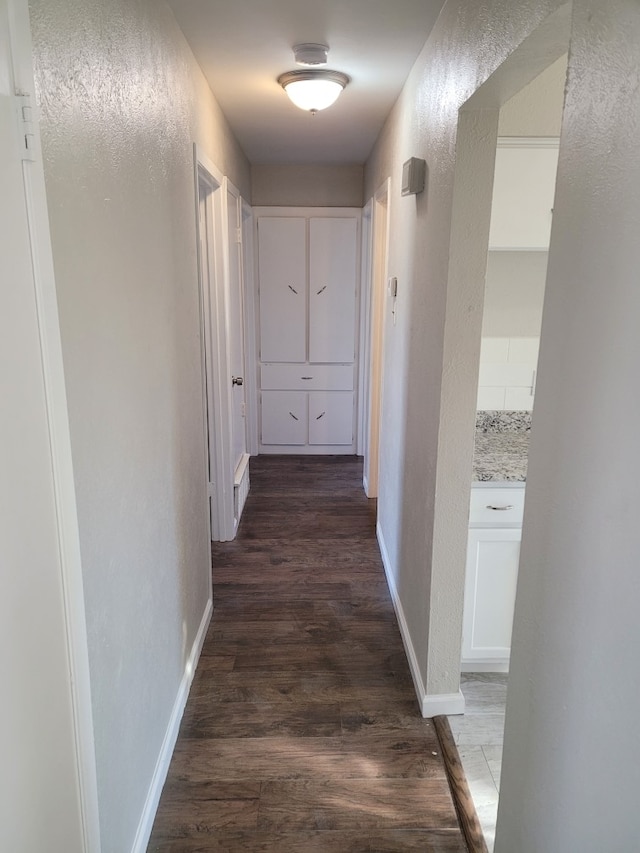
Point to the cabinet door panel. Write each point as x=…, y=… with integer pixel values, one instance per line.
x=332, y=289
x=284, y=417
x=282, y=270
x=523, y=191
x=490, y=592
x=331, y=417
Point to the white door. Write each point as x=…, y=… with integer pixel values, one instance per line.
x=332, y=289
x=282, y=265
x=236, y=328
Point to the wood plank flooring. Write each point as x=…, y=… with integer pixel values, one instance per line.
x=302, y=732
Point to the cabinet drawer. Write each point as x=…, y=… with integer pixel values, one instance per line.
x=497, y=507
x=307, y=377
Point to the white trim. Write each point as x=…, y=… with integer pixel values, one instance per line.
x=366, y=235
x=430, y=705
x=443, y=703
x=171, y=735
x=215, y=313
x=241, y=486
x=484, y=666
x=251, y=358
x=68, y=533
x=375, y=345
x=528, y=142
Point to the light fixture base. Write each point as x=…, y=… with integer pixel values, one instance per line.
x=311, y=54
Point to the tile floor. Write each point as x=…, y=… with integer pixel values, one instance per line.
x=479, y=734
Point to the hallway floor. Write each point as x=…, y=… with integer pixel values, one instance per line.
x=302, y=732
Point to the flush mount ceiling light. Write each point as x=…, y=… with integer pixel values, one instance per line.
x=312, y=90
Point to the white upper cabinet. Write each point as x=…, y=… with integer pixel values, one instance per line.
x=332, y=289
x=523, y=192
x=282, y=261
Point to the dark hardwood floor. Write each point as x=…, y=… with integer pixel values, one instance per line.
x=302, y=732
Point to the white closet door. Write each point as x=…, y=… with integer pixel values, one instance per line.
x=332, y=289
x=283, y=291
x=284, y=417
x=331, y=417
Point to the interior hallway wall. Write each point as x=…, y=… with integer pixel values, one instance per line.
x=470, y=40
x=307, y=186
x=571, y=768
x=122, y=102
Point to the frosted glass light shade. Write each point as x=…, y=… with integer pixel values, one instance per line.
x=313, y=90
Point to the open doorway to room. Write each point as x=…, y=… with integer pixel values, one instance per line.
x=374, y=337
x=524, y=180
x=215, y=369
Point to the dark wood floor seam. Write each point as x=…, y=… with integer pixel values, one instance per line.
x=460, y=792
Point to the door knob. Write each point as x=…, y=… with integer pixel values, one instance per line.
x=237, y=380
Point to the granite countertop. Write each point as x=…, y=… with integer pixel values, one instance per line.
x=501, y=446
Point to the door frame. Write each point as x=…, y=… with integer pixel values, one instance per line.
x=373, y=351
x=365, y=328
x=250, y=325
x=214, y=324
x=67, y=531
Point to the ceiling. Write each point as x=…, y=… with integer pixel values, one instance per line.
x=244, y=45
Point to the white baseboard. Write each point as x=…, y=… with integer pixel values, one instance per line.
x=430, y=705
x=171, y=735
x=241, y=486
x=443, y=703
x=484, y=666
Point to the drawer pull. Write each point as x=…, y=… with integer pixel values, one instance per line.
x=500, y=508
x=293, y=290
x=321, y=289
x=306, y=377
x=294, y=417
x=321, y=416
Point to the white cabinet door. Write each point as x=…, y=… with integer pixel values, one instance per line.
x=282, y=265
x=332, y=289
x=523, y=192
x=490, y=591
x=284, y=417
x=331, y=417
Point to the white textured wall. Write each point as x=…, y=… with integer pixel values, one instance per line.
x=536, y=110
x=429, y=419
x=307, y=186
x=571, y=771
x=122, y=103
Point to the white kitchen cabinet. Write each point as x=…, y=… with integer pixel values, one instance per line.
x=308, y=267
x=490, y=592
x=493, y=554
x=523, y=193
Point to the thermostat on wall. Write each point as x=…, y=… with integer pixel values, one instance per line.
x=413, y=175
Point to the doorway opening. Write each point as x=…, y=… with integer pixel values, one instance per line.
x=214, y=351
x=507, y=148
x=374, y=337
